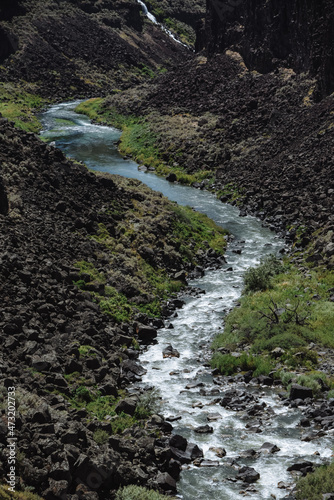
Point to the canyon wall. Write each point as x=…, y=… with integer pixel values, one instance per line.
x=270, y=33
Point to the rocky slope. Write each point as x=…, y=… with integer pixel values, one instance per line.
x=45, y=44
x=71, y=262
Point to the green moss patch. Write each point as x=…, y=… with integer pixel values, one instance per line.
x=19, y=105
x=17, y=495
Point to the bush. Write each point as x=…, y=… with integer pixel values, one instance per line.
x=228, y=364
x=148, y=403
x=100, y=436
x=316, y=484
x=259, y=278
x=138, y=493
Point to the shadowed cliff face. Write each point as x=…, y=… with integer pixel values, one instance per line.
x=272, y=33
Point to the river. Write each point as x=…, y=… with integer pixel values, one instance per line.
x=193, y=330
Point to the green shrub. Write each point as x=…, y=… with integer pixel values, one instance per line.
x=330, y=394
x=148, y=403
x=259, y=278
x=228, y=364
x=83, y=394
x=100, y=436
x=316, y=484
x=138, y=493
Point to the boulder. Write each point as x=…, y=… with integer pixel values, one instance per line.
x=146, y=333
x=166, y=482
x=171, y=177
x=204, y=429
x=269, y=448
x=248, y=474
x=299, y=392
x=170, y=352
x=127, y=405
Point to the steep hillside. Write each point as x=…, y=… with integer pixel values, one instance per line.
x=76, y=48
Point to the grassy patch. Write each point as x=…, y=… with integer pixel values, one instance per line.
x=17, y=495
x=294, y=312
x=198, y=230
x=133, y=492
x=228, y=364
x=142, y=139
x=316, y=484
x=19, y=106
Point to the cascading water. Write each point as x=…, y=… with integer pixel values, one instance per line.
x=189, y=391
x=152, y=18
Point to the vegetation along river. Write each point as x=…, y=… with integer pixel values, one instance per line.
x=189, y=391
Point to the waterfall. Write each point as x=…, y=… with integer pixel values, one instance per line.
x=152, y=18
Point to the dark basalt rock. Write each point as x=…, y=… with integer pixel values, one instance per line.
x=300, y=392
x=248, y=475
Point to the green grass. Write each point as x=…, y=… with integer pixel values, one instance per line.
x=140, y=141
x=17, y=495
x=228, y=364
x=316, y=484
x=19, y=106
x=292, y=313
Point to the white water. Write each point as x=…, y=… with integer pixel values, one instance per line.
x=152, y=18
x=194, y=327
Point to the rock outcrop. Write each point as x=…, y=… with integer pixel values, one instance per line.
x=269, y=34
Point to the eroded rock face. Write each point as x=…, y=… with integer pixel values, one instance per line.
x=267, y=33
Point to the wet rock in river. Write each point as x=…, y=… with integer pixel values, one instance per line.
x=204, y=429
x=269, y=448
x=248, y=474
x=212, y=417
x=207, y=463
x=170, y=352
x=220, y=452
x=303, y=467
